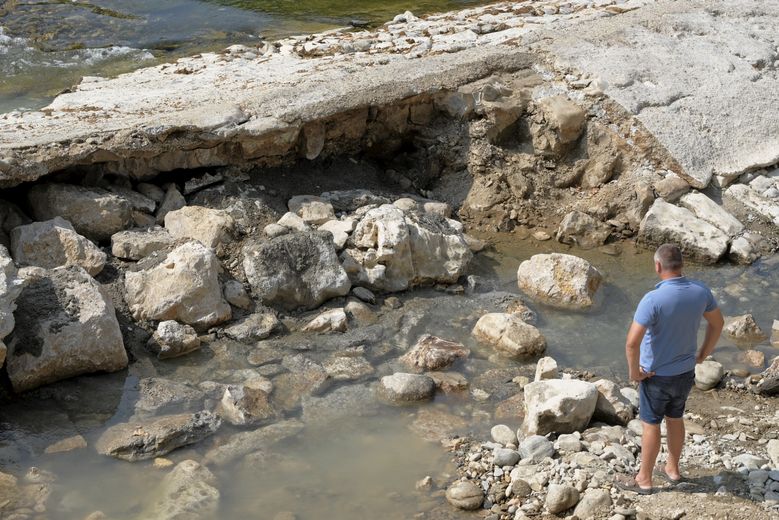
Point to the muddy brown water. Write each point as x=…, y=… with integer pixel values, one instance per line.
x=362, y=465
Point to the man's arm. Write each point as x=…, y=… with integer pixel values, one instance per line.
x=715, y=322
x=633, y=352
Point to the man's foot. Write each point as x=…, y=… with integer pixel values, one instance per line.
x=664, y=473
x=633, y=485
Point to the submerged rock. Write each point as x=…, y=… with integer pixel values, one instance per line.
x=559, y=406
x=172, y=339
x=134, y=441
x=405, y=388
x=508, y=334
x=558, y=280
x=188, y=492
x=65, y=326
x=295, y=270
x=333, y=320
x=394, y=250
x=248, y=403
x=183, y=287
x=465, y=494
x=744, y=329
x=433, y=353
x=241, y=444
x=55, y=243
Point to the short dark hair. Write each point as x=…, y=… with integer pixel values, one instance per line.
x=669, y=256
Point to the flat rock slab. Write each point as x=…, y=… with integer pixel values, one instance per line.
x=696, y=74
x=134, y=441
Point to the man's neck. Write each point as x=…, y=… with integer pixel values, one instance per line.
x=670, y=274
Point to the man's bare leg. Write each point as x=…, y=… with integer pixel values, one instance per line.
x=675, y=440
x=650, y=447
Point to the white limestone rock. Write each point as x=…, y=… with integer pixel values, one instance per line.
x=705, y=208
x=173, y=339
x=560, y=406
x=559, y=280
x=54, y=243
x=136, y=244
x=211, y=227
x=666, y=223
x=509, y=335
x=313, y=210
x=183, y=287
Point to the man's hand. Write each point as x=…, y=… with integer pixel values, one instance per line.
x=640, y=375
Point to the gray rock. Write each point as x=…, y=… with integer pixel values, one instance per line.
x=465, y=495
x=342, y=403
x=173, y=339
x=55, y=243
x=582, y=230
x=333, y=320
x=705, y=208
x=744, y=329
x=173, y=201
x=769, y=384
x=134, y=441
x=158, y=396
x=504, y=457
x=340, y=229
x=10, y=288
x=210, y=227
x=248, y=403
x=558, y=280
x=254, y=327
x=672, y=187
x=509, y=335
x=93, y=212
x=275, y=230
x=557, y=125
x=238, y=445
x=612, y=407
x=236, y=295
x=503, y=434
x=151, y=191
x=559, y=406
x=546, y=368
x=699, y=240
x=772, y=448
x=295, y=270
x=184, y=287
x=313, y=210
x=568, y=442
x=404, y=388
x=708, y=374
x=433, y=353
x=594, y=504
x=364, y=294
x=631, y=394
x=748, y=461
x=188, y=492
x=347, y=368
x=65, y=326
x=560, y=498
x=136, y=244
x=536, y=448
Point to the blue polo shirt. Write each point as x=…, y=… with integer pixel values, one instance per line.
x=672, y=314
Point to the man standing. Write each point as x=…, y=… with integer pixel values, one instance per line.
x=662, y=351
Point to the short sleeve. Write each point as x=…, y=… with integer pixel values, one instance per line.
x=711, y=302
x=646, y=313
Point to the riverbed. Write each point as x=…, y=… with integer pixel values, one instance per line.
x=362, y=462
x=46, y=47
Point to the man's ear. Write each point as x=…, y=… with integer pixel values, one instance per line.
x=658, y=268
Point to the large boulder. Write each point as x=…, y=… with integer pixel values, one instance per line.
x=582, y=230
x=65, y=326
x=183, y=287
x=394, y=250
x=55, y=243
x=295, y=270
x=188, y=492
x=10, y=288
x=558, y=280
x=136, y=440
x=708, y=210
x=433, y=353
x=509, y=335
x=94, y=212
x=666, y=223
x=612, y=407
x=210, y=227
x=559, y=406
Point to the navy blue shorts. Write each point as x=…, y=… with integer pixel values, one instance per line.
x=664, y=396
